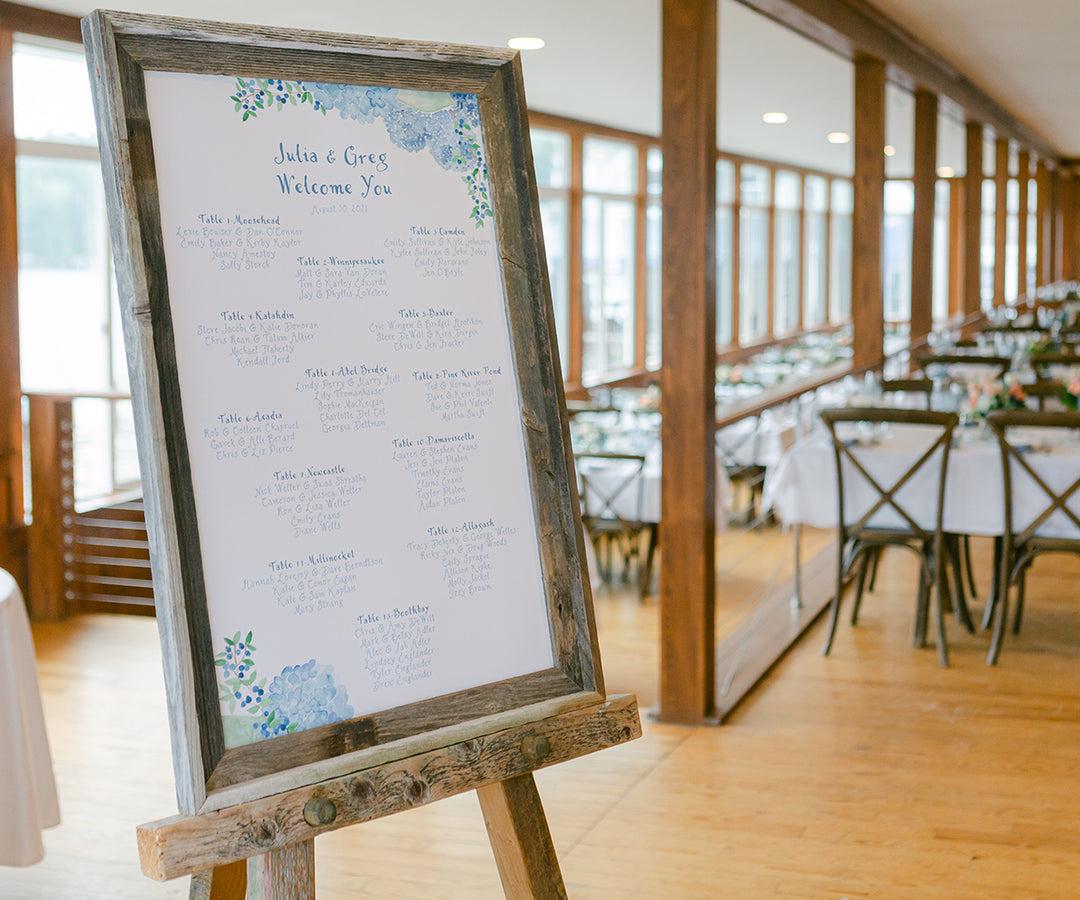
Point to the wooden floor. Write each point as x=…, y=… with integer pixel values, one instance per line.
x=872, y=773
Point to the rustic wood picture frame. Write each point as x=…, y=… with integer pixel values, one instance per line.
x=120, y=48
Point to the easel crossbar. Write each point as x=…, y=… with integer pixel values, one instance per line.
x=184, y=845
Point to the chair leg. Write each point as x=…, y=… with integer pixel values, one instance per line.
x=875, y=559
x=1021, y=582
x=996, y=588
x=868, y=556
x=918, y=634
x=965, y=542
x=939, y=615
x=1001, y=615
x=650, y=552
x=963, y=615
x=834, y=607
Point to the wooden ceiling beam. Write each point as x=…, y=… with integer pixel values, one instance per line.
x=853, y=27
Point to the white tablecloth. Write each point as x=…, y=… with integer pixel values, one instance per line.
x=802, y=488
x=27, y=789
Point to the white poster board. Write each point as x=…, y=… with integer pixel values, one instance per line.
x=349, y=396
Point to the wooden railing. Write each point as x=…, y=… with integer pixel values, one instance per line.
x=79, y=559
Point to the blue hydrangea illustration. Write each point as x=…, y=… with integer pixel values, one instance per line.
x=301, y=697
x=446, y=124
x=308, y=696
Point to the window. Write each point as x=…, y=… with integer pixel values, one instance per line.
x=986, y=241
x=551, y=159
x=755, y=195
x=896, y=240
x=609, y=253
x=653, y=240
x=786, y=252
x=725, y=260
x=815, y=248
x=1012, y=239
x=1032, y=248
x=843, y=201
x=940, y=297
x=68, y=317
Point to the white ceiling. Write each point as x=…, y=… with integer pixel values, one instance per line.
x=601, y=63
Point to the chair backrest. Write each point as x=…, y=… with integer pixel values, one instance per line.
x=1042, y=363
x=611, y=487
x=738, y=445
x=914, y=386
x=885, y=496
x=1044, y=390
x=1018, y=454
x=951, y=363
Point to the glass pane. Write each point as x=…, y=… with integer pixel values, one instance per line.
x=653, y=309
x=816, y=193
x=551, y=158
x=92, y=451
x=654, y=164
x=724, y=277
x=786, y=274
x=896, y=250
x=814, y=267
x=986, y=255
x=788, y=189
x=725, y=181
x=843, y=197
x=610, y=166
x=753, y=274
x=940, y=301
x=608, y=287
x=125, y=457
x=52, y=95
x=1012, y=256
x=840, y=267
x=64, y=275
x=1012, y=196
x=554, y=218
x=754, y=185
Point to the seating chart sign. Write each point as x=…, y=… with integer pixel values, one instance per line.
x=347, y=396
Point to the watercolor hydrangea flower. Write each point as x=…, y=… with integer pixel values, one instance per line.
x=308, y=696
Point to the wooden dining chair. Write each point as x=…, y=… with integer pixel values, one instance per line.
x=611, y=487
x=961, y=364
x=1044, y=363
x=1046, y=393
x=863, y=534
x=1021, y=542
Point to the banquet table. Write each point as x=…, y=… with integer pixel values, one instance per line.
x=28, y=801
x=802, y=487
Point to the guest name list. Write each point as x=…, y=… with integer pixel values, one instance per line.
x=349, y=394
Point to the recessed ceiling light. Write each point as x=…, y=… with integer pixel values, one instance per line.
x=890, y=150
x=774, y=118
x=946, y=171
x=525, y=43
x=838, y=137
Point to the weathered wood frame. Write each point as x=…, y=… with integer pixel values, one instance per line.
x=120, y=48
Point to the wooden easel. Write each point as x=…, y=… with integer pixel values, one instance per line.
x=265, y=849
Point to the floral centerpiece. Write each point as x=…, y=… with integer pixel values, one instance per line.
x=649, y=401
x=988, y=394
x=1070, y=391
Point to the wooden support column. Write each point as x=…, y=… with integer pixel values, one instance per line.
x=11, y=469
x=1001, y=216
x=687, y=570
x=1070, y=254
x=973, y=179
x=867, y=312
x=1023, y=176
x=922, y=238
x=1042, y=224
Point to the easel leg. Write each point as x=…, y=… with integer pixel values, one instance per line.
x=285, y=874
x=520, y=839
x=227, y=882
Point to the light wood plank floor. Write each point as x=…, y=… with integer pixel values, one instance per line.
x=871, y=773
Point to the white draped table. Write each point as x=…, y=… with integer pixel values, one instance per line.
x=27, y=788
x=802, y=488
